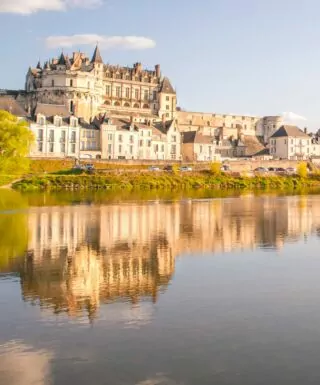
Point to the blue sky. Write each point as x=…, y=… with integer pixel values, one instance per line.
x=257, y=57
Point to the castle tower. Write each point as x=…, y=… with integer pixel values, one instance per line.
x=167, y=100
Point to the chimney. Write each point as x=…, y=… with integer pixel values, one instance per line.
x=305, y=130
x=157, y=68
x=163, y=120
x=131, y=119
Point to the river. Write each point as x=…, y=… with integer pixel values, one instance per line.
x=159, y=290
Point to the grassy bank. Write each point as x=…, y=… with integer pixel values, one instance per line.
x=165, y=181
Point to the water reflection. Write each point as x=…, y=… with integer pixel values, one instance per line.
x=80, y=257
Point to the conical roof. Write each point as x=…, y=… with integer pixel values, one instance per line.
x=96, y=58
x=62, y=60
x=166, y=86
x=39, y=65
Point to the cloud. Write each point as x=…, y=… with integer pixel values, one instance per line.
x=105, y=42
x=27, y=7
x=291, y=116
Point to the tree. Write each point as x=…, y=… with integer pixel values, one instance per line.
x=15, y=141
x=302, y=170
x=215, y=168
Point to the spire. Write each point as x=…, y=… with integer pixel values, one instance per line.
x=96, y=58
x=39, y=65
x=62, y=60
x=47, y=65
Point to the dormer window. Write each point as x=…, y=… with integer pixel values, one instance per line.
x=127, y=77
x=57, y=121
x=41, y=120
x=73, y=122
x=118, y=76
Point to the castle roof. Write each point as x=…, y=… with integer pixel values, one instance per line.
x=62, y=59
x=96, y=58
x=287, y=130
x=197, y=137
x=52, y=110
x=166, y=87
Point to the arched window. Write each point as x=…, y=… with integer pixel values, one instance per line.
x=146, y=106
x=117, y=104
x=71, y=108
x=136, y=105
x=107, y=103
x=126, y=104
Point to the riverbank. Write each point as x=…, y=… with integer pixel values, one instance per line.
x=159, y=181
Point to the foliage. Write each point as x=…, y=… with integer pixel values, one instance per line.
x=215, y=168
x=15, y=140
x=13, y=227
x=302, y=170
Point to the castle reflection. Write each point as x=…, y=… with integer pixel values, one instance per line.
x=82, y=256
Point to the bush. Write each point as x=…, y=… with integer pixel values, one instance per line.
x=215, y=168
x=302, y=170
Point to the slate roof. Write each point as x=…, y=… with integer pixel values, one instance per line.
x=166, y=87
x=285, y=131
x=163, y=128
x=52, y=110
x=96, y=57
x=10, y=104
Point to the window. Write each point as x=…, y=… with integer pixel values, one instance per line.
x=154, y=95
x=200, y=149
x=118, y=92
x=156, y=147
x=52, y=83
x=62, y=147
x=73, y=148
x=285, y=141
x=162, y=148
x=51, y=136
x=42, y=121
x=83, y=145
x=274, y=126
x=51, y=147
x=120, y=148
x=88, y=85
x=71, y=106
x=93, y=145
x=127, y=92
x=136, y=94
x=173, y=138
x=63, y=136
x=167, y=107
x=71, y=83
x=131, y=149
x=167, y=98
x=141, y=142
x=40, y=146
x=245, y=126
x=149, y=143
x=308, y=150
x=173, y=149
x=149, y=133
x=120, y=138
x=109, y=136
x=118, y=76
x=73, y=136
x=141, y=132
x=108, y=90
x=74, y=122
x=167, y=115
x=57, y=121
x=40, y=135
x=146, y=95
x=127, y=77
x=109, y=148
x=131, y=138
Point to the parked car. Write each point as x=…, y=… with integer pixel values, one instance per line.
x=185, y=168
x=291, y=171
x=168, y=168
x=272, y=169
x=280, y=170
x=261, y=170
x=154, y=168
x=78, y=167
x=225, y=167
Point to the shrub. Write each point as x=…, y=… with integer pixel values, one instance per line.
x=302, y=170
x=215, y=168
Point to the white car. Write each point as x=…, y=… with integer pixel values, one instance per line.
x=185, y=168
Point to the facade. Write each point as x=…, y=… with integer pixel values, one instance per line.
x=88, y=87
x=198, y=147
x=289, y=142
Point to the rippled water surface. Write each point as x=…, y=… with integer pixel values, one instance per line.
x=185, y=291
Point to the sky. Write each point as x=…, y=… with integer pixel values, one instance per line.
x=257, y=57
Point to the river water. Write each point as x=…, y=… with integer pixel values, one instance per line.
x=159, y=291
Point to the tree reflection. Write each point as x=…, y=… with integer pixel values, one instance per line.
x=13, y=227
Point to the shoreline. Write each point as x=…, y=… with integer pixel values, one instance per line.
x=161, y=181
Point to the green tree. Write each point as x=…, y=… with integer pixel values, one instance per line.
x=15, y=141
x=302, y=170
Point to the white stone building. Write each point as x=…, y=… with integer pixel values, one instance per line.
x=289, y=142
x=199, y=147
